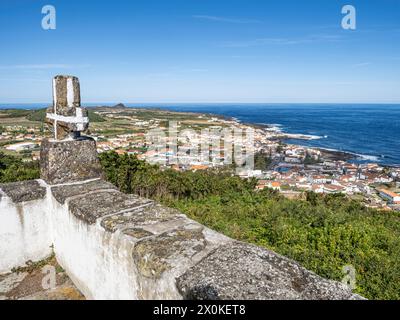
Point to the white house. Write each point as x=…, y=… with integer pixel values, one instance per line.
x=389, y=195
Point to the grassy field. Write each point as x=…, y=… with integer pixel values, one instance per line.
x=102, y=121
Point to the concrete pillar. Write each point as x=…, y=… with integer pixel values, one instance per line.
x=66, y=118
x=68, y=157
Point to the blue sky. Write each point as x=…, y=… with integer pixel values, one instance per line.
x=202, y=51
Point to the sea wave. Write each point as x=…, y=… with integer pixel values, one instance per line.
x=359, y=156
x=272, y=127
x=368, y=157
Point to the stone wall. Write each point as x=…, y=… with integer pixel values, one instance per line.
x=118, y=246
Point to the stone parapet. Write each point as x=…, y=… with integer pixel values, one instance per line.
x=118, y=246
x=246, y=272
x=63, y=192
x=23, y=191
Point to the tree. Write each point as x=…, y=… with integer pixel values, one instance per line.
x=309, y=159
x=261, y=161
x=13, y=169
x=279, y=148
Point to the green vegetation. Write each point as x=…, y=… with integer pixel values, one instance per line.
x=37, y=115
x=280, y=147
x=323, y=233
x=15, y=113
x=151, y=114
x=309, y=160
x=14, y=169
x=262, y=161
x=94, y=117
x=38, y=265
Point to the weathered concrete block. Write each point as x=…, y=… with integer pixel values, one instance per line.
x=91, y=207
x=63, y=192
x=69, y=161
x=154, y=256
x=23, y=191
x=152, y=216
x=240, y=271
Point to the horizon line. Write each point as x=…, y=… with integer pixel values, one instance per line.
x=208, y=102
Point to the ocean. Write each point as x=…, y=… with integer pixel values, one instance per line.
x=370, y=131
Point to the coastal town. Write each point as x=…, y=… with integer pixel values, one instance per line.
x=288, y=168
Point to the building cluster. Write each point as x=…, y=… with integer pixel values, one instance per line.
x=23, y=140
x=299, y=169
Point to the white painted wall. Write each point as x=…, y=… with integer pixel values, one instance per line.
x=24, y=232
x=98, y=262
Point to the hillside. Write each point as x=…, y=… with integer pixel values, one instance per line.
x=323, y=233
